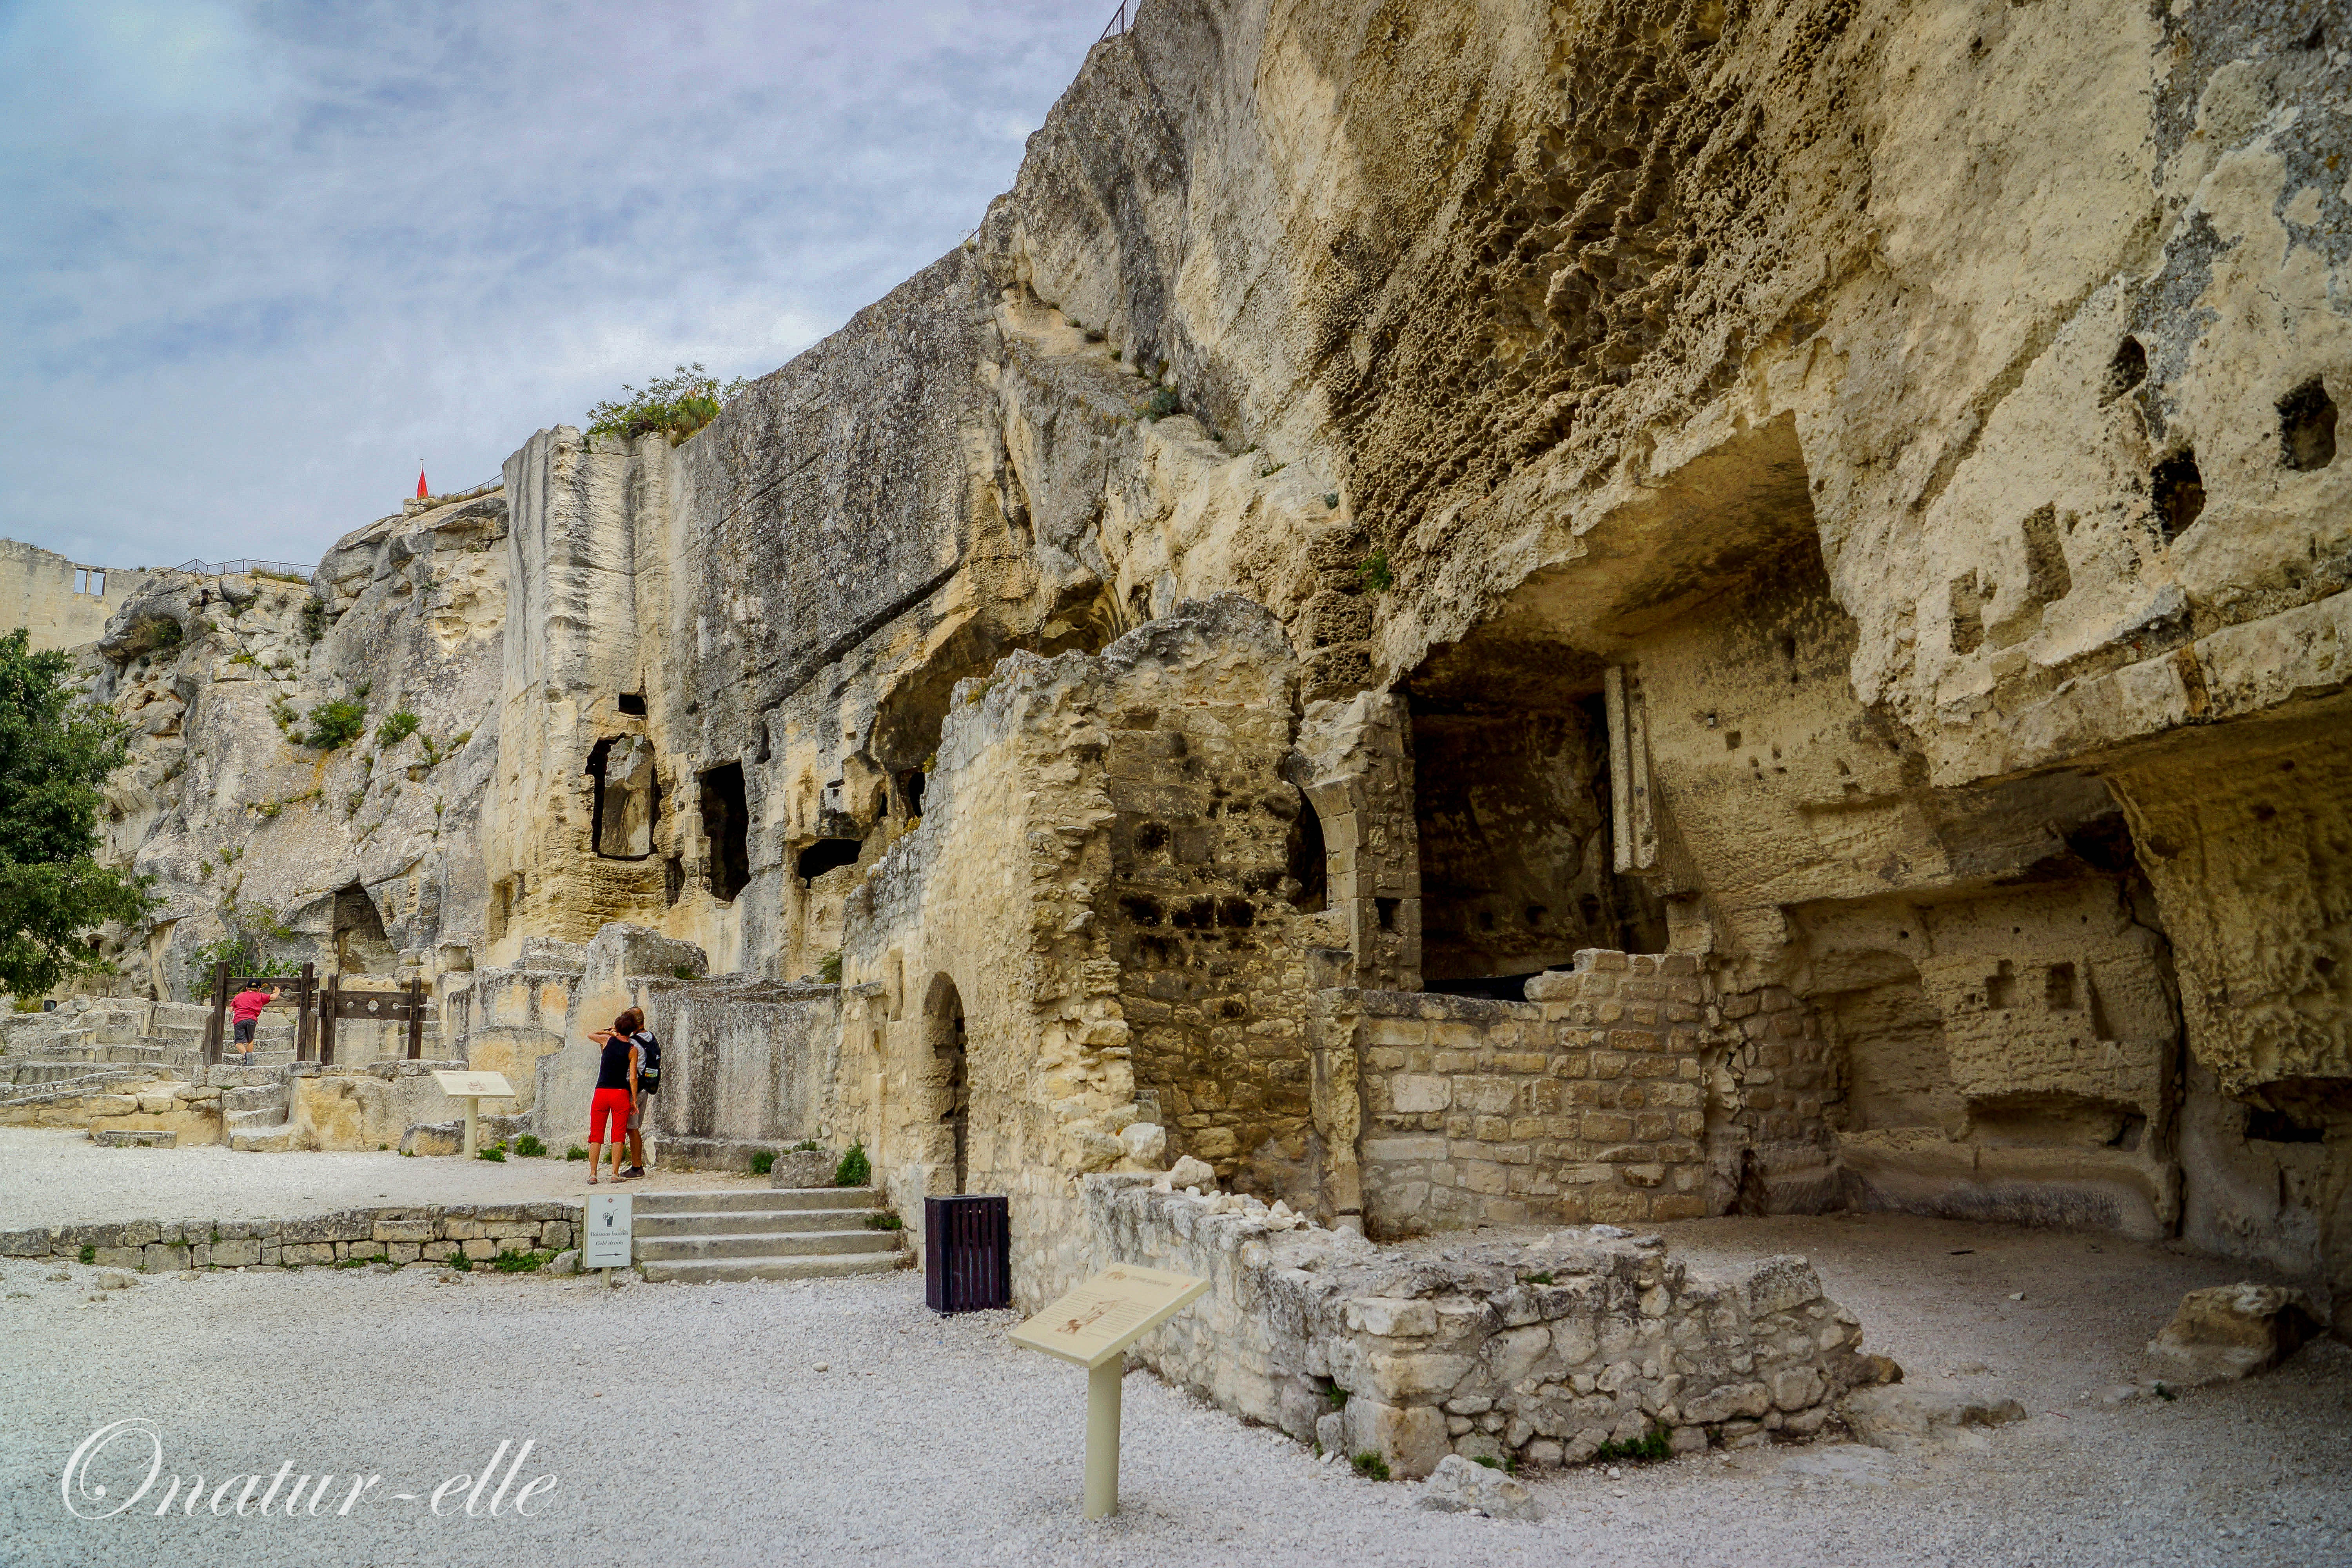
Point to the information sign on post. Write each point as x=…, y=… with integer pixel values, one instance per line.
x=607, y=1243
x=473, y=1088
x=1093, y=1326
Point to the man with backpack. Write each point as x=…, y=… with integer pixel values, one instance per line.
x=650, y=1053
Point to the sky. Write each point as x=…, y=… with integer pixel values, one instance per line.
x=259, y=260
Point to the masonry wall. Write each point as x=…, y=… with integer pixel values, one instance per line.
x=1584, y=1104
x=1203, y=920
x=48, y=595
x=1493, y=1350
x=403, y=1234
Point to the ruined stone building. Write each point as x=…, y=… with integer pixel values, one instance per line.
x=1487, y=612
x=58, y=602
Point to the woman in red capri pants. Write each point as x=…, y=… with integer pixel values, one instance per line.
x=617, y=1091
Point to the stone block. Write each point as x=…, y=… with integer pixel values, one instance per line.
x=1779, y=1283
x=1412, y=1439
x=239, y=1252
x=24, y=1244
x=404, y=1230
x=439, y=1251
x=481, y=1249
x=1411, y=1093
x=164, y=1256
x=1391, y=1317
x=306, y=1252
x=119, y=1256
x=555, y=1234
x=362, y=1249
x=402, y=1251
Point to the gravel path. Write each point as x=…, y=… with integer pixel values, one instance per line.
x=691, y=1425
x=58, y=1176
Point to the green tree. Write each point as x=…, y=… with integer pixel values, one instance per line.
x=55, y=751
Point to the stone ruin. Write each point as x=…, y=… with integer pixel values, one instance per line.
x=1539, y=616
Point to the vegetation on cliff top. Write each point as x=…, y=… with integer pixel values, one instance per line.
x=55, y=752
x=676, y=406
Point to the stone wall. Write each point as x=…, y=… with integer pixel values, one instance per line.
x=1540, y=1351
x=61, y=604
x=1585, y=1103
x=750, y=1063
x=1204, y=913
x=402, y=1233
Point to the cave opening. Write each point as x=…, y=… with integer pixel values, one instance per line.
x=627, y=797
x=1512, y=805
x=824, y=856
x=727, y=825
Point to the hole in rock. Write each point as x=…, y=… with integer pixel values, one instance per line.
x=1309, y=858
x=2307, y=427
x=727, y=825
x=2125, y=370
x=633, y=703
x=824, y=856
x=2177, y=492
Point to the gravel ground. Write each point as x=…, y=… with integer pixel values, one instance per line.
x=691, y=1424
x=58, y=1176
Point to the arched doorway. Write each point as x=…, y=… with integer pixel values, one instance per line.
x=943, y=1033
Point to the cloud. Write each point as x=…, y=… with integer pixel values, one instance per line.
x=263, y=258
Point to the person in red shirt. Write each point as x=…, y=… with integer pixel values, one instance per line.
x=246, y=1008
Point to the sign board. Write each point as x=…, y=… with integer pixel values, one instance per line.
x=464, y=1085
x=1099, y=1319
x=607, y=1243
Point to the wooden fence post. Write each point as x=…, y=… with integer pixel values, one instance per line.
x=220, y=1010
x=306, y=1002
x=326, y=1004
x=416, y=1019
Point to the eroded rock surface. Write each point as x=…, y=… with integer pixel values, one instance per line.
x=1843, y=496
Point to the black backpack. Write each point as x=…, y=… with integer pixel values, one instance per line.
x=648, y=1062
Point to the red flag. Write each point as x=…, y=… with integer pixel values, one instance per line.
x=420, y=492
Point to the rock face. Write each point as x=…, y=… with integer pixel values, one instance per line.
x=1848, y=497
x=2230, y=1331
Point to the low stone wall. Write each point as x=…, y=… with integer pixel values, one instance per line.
x=131, y=1102
x=407, y=1234
x=1587, y=1102
x=1541, y=1352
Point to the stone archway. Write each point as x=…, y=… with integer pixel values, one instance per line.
x=947, y=1071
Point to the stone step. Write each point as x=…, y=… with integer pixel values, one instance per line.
x=738, y=1222
x=765, y=1244
x=719, y=1270
x=270, y=1139
x=770, y=1200
x=257, y=1097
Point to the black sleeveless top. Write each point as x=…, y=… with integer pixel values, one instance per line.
x=613, y=1069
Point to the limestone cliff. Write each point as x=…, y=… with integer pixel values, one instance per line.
x=1847, y=492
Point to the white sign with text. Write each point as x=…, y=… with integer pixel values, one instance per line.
x=606, y=1245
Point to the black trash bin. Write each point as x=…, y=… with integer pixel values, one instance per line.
x=967, y=1253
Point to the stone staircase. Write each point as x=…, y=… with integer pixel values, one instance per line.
x=256, y=1118
x=800, y=1233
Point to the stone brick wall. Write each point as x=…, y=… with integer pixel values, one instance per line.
x=1585, y=1103
x=1202, y=912
x=407, y=1234
x=1774, y=1147
x=1540, y=1351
